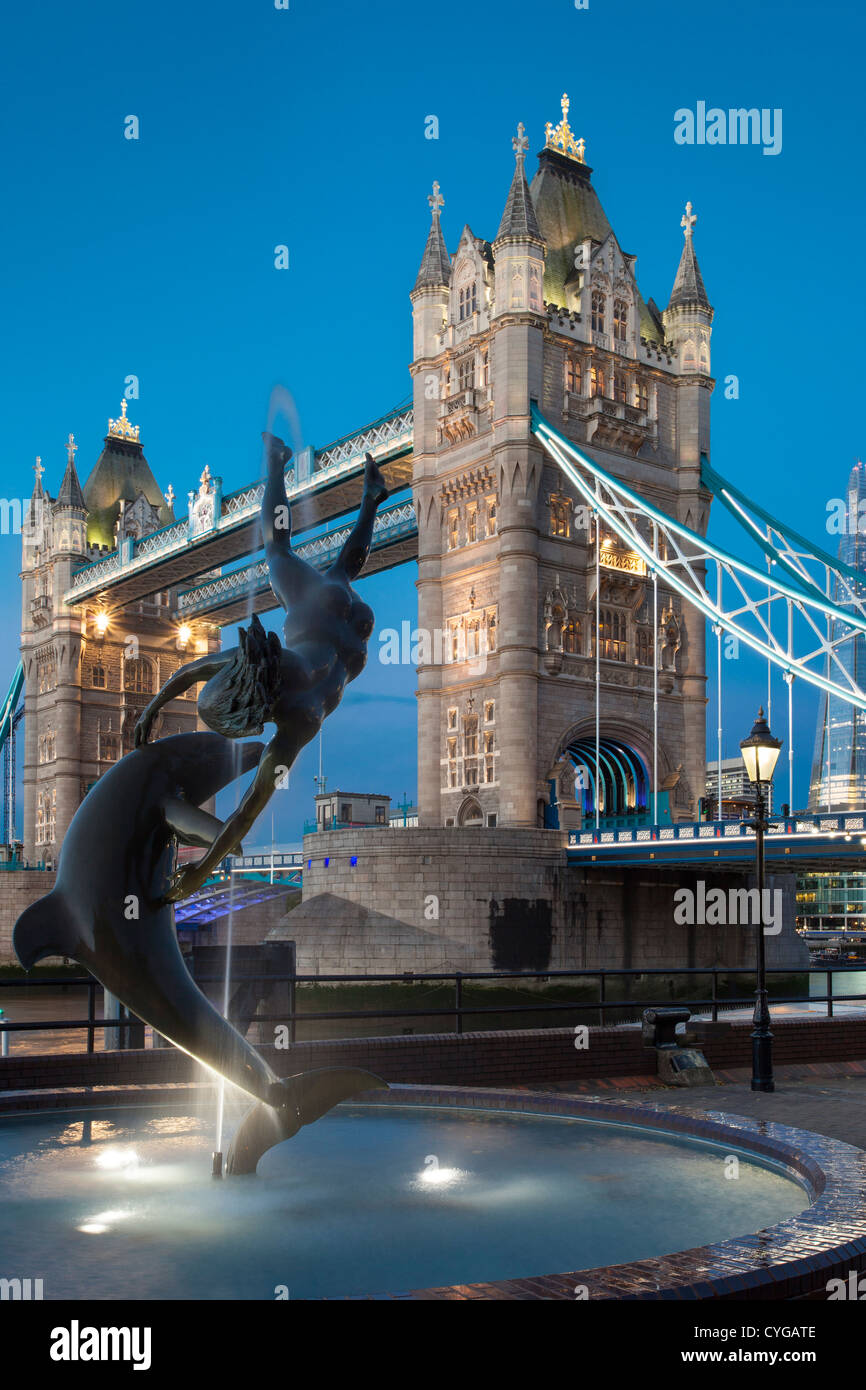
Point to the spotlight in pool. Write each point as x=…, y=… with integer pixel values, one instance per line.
x=100, y=1223
x=116, y=1158
x=434, y=1176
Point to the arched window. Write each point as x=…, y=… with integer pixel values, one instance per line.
x=466, y=372
x=453, y=531
x=620, y=320
x=596, y=381
x=571, y=638
x=689, y=356
x=597, y=312
x=573, y=376
x=644, y=647
x=467, y=300
x=534, y=289
x=560, y=517
x=641, y=396
x=620, y=388
x=97, y=676
x=491, y=630
x=613, y=634
x=137, y=676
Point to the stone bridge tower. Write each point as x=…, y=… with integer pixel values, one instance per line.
x=550, y=311
x=90, y=670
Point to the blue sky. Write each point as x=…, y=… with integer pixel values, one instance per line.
x=306, y=127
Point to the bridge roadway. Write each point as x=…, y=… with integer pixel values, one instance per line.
x=813, y=843
x=322, y=485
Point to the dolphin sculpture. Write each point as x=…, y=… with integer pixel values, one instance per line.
x=108, y=911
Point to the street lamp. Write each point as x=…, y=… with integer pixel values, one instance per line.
x=760, y=751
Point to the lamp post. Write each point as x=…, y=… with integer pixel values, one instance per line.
x=760, y=751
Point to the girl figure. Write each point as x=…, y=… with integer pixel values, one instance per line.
x=295, y=686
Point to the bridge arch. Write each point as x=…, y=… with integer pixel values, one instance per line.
x=626, y=760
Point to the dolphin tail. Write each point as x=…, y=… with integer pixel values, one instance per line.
x=299, y=1100
x=41, y=931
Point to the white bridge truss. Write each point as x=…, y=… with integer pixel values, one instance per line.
x=796, y=621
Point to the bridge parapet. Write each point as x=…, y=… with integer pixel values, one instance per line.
x=388, y=437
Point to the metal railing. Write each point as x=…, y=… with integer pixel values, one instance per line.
x=602, y=1006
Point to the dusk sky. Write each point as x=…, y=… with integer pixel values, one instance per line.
x=306, y=127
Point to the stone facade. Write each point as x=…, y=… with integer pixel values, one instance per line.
x=90, y=670
x=506, y=550
x=504, y=899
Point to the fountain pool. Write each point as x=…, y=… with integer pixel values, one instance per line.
x=119, y=1203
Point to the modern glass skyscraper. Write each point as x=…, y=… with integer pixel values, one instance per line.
x=839, y=764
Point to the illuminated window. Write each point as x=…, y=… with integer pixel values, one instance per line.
x=597, y=312
x=596, y=381
x=620, y=319
x=620, y=389
x=489, y=737
x=472, y=524
x=485, y=368
x=473, y=628
x=614, y=635
x=137, y=676
x=560, y=517
x=571, y=638
x=452, y=718
x=573, y=376
x=453, y=532
x=641, y=396
x=644, y=647
x=491, y=516
x=470, y=736
x=491, y=630
x=488, y=769
x=489, y=711
x=534, y=289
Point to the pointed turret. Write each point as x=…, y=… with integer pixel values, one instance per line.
x=38, y=493
x=688, y=290
x=70, y=494
x=519, y=219
x=435, y=271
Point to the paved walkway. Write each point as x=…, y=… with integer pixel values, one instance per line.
x=827, y=1098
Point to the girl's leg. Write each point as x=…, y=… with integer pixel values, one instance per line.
x=289, y=575
x=356, y=548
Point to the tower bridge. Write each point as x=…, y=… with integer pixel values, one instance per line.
x=552, y=481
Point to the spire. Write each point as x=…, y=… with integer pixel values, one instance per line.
x=38, y=470
x=435, y=272
x=70, y=494
x=519, y=219
x=689, y=286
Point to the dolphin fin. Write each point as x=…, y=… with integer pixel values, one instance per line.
x=39, y=931
x=297, y=1101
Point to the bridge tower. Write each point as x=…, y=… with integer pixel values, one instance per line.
x=90, y=670
x=550, y=312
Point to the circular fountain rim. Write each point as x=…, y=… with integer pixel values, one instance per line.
x=789, y=1260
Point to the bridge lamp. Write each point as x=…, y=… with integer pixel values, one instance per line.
x=760, y=752
x=184, y=633
x=100, y=622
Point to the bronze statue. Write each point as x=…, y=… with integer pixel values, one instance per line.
x=295, y=686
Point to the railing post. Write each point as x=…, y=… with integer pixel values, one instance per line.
x=601, y=997
x=829, y=993
x=458, y=1001
x=715, y=998
x=292, y=996
x=91, y=1013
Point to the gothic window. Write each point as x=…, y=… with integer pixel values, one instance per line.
x=641, y=396
x=488, y=757
x=473, y=628
x=46, y=672
x=597, y=312
x=560, y=517
x=137, y=676
x=620, y=390
x=489, y=711
x=455, y=640
x=491, y=516
x=573, y=376
x=516, y=288
x=485, y=368
x=451, y=747
x=534, y=289
x=467, y=301
x=644, y=647
x=466, y=372
x=452, y=718
x=620, y=320
x=489, y=739
x=571, y=638
x=470, y=736
x=614, y=635
x=97, y=676
x=491, y=630
x=689, y=358
x=705, y=358
x=596, y=381
x=453, y=534
x=472, y=524
x=47, y=746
